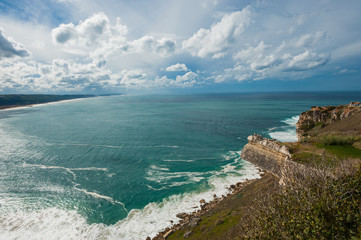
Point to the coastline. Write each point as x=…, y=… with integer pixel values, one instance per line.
x=192, y=219
x=20, y=106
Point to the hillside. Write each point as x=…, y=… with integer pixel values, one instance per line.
x=312, y=189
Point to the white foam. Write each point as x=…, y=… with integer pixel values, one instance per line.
x=158, y=168
x=97, y=195
x=285, y=133
x=60, y=224
x=284, y=136
x=292, y=121
x=178, y=160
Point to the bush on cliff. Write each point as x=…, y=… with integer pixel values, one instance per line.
x=312, y=207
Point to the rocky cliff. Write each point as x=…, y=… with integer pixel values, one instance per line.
x=270, y=155
x=323, y=116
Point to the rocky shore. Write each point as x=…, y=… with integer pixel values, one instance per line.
x=191, y=220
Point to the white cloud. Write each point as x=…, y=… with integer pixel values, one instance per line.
x=90, y=32
x=71, y=76
x=63, y=33
x=189, y=79
x=100, y=38
x=163, y=47
x=60, y=75
x=279, y=40
x=215, y=41
x=177, y=68
x=254, y=52
x=287, y=59
x=309, y=40
x=306, y=61
x=9, y=48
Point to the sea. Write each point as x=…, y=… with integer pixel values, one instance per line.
x=122, y=167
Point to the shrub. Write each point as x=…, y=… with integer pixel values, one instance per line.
x=313, y=206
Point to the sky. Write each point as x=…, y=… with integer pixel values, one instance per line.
x=118, y=46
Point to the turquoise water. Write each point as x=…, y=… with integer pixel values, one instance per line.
x=121, y=167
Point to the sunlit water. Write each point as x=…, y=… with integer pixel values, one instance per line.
x=121, y=167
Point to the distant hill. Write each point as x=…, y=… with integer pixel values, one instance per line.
x=16, y=100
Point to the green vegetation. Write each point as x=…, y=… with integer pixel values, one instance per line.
x=342, y=151
x=316, y=207
x=336, y=139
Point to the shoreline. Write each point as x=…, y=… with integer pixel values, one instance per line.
x=193, y=218
x=14, y=107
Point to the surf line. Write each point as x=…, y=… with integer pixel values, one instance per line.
x=70, y=170
x=97, y=195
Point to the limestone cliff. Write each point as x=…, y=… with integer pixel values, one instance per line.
x=270, y=155
x=324, y=116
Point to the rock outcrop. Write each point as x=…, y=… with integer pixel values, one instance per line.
x=272, y=156
x=324, y=116
x=268, y=154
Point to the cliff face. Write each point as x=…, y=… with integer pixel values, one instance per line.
x=268, y=154
x=324, y=116
x=274, y=157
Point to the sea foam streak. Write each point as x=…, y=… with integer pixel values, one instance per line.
x=53, y=223
x=285, y=133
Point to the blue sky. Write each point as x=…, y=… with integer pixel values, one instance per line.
x=79, y=46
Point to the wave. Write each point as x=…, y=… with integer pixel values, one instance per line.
x=54, y=223
x=286, y=133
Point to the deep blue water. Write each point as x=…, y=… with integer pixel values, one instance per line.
x=121, y=167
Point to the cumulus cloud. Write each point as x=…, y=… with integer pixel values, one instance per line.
x=89, y=32
x=215, y=41
x=103, y=39
x=68, y=75
x=63, y=33
x=177, y=68
x=59, y=75
x=264, y=60
x=189, y=79
x=163, y=47
x=9, y=48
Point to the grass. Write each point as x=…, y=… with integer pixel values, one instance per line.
x=337, y=139
x=342, y=151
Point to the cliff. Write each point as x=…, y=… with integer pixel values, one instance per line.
x=272, y=156
x=310, y=188
x=268, y=154
x=320, y=117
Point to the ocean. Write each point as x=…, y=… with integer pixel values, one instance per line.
x=122, y=167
